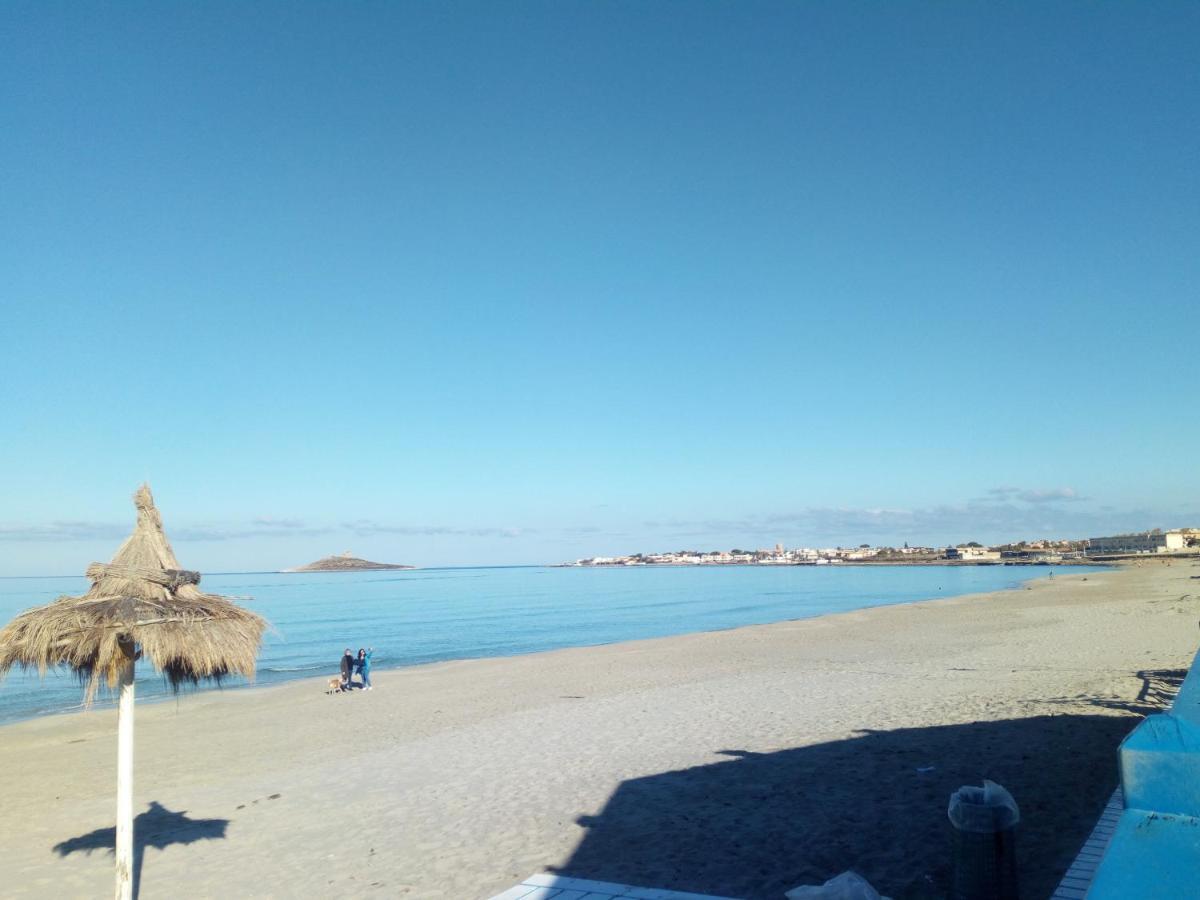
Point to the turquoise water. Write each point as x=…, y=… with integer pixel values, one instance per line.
x=426, y=615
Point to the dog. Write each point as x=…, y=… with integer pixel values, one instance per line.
x=335, y=685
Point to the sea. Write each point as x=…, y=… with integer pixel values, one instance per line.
x=419, y=616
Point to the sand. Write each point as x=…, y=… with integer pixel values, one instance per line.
x=741, y=763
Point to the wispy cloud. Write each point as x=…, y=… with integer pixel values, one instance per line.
x=368, y=528
x=282, y=524
x=1003, y=513
x=64, y=531
x=572, y=533
x=1033, y=495
x=241, y=532
x=1051, y=495
x=1015, y=514
x=260, y=526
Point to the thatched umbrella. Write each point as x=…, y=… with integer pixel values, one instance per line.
x=140, y=604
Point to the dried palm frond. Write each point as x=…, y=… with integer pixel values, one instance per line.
x=141, y=599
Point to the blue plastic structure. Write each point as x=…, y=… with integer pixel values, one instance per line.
x=1155, y=852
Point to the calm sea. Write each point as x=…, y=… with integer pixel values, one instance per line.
x=426, y=615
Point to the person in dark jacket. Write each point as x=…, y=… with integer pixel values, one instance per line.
x=363, y=664
x=347, y=669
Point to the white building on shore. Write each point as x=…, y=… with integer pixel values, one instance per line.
x=1142, y=542
x=972, y=553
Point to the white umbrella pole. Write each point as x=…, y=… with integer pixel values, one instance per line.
x=124, y=846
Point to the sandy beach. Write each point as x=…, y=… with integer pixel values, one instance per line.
x=741, y=763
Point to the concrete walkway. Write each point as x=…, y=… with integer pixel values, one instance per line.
x=1078, y=879
x=558, y=887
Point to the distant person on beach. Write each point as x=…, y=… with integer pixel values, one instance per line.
x=364, y=666
x=347, y=669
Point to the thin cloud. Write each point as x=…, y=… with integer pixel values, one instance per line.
x=974, y=520
x=1053, y=495
x=259, y=527
x=63, y=531
x=1031, y=495
x=236, y=533
x=368, y=528
x=282, y=524
x=572, y=533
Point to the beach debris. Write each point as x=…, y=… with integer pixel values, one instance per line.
x=142, y=604
x=847, y=886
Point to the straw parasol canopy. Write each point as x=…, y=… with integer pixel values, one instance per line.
x=142, y=604
x=142, y=599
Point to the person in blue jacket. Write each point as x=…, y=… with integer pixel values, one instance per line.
x=363, y=664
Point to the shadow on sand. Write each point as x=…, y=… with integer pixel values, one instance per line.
x=1159, y=687
x=761, y=823
x=157, y=827
x=1158, y=691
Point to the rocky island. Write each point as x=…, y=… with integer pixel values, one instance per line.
x=345, y=563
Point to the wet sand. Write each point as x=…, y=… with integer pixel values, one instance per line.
x=741, y=762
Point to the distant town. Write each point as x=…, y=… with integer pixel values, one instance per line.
x=1038, y=552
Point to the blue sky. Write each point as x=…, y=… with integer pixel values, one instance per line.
x=478, y=283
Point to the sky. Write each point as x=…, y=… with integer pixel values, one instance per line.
x=520, y=282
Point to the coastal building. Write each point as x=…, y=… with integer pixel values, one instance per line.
x=862, y=553
x=971, y=553
x=1037, y=555
x=1141, y=542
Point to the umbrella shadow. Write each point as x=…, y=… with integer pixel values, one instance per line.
x=756, y=824
x=157, y=827
x=1158, y=692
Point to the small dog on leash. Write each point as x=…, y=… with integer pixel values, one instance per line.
x=335, y=686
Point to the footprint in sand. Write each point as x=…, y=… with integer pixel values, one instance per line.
x=253, y=802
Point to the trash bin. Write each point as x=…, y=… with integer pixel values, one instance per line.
x=985, y=858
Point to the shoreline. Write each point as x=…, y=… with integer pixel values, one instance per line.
x=740, y=762
x=866, y=563
x=106, y=702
